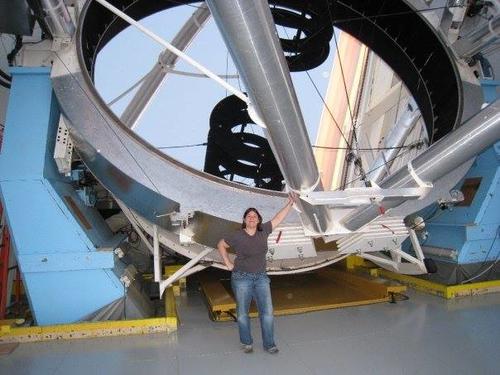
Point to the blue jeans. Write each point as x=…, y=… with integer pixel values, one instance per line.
x=257, y=285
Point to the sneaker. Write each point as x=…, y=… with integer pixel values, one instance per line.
x=247, y=348
x=273, y=350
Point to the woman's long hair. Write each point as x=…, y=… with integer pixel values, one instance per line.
x=248, y=210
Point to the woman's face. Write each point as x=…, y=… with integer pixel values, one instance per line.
x=251, y=220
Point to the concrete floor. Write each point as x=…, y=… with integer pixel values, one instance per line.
x=424, y=335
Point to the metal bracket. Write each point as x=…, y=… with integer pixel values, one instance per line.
x=181, y=219
x=63, y=149
x=417, y=179
x=355, y=197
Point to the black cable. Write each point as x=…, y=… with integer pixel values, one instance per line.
x=328, y=109
x=498, y=255
x=182, y=146
x=17, y=47
x=343, y=78
x=357, y=161
x=483, y=263
x=33, y=43
x=413, y=145
x=410, y=146
x=432, y=216
x=227, y=69
x=480, y=272
x=4, y=84
x=5, y=76
x=322, y=99
x=380, y=166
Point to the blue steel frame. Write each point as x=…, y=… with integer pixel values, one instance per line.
x=66, y=263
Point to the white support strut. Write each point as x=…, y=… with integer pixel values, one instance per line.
x=183, y=270
x=156, y=255
x=416, y=245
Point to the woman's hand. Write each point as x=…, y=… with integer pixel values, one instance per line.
x=278, y=218
x=229, y=266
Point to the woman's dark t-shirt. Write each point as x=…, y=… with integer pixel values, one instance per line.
x=250, y=250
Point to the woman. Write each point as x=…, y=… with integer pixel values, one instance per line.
x=249, y=278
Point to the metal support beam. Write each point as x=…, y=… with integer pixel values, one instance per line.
x=395, y=139
x=58, y=18
x=184, y=270
x=416, y=245
x=382, y=106
x=477, y=40
x=355, y=197
x=166, y=62
x=156, y=255
x=464, y=143
x=250, y=34
x=414, y=266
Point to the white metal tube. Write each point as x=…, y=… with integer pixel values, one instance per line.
x=165, y=283
x=249, y=32
x=58, y=18
x=377, y=259
x=416, y=244
x=156, y=255
x=171, y=48
x=395, y=139
x=440, y=252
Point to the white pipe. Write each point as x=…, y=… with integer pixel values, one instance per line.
x=58, y=18
x=395, y=139
x=156, y=255
x=165, y=283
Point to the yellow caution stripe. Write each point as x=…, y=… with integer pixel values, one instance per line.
x=445, y=291
x=10, y=333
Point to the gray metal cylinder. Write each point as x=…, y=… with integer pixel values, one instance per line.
x=395, y=139
x=249, y=32
x=58, y=18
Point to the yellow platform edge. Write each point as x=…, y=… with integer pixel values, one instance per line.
x=445, y=291
x=167, y=324
x=222, y=306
